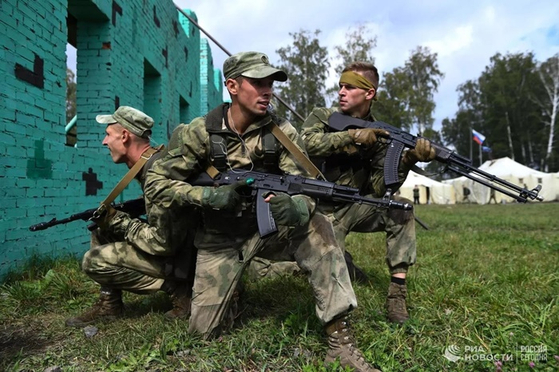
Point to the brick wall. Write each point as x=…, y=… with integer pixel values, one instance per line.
x=141, y=53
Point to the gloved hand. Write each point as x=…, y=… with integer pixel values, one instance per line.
x=423, y=152
x=288, y=211
x=366, y=136
x=222, y=197
x=104, y=215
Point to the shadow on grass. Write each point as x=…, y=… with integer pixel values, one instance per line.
x=22, y=340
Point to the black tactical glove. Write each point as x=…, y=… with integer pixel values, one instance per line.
x=222, y=197
x=289, y=211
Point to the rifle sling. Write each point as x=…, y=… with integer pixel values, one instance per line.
x=294, y=150
x=146, y=155
x=290, y=146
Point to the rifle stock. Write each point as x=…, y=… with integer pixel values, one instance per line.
x=264, y=183
x=399, y=139
x=134, y=207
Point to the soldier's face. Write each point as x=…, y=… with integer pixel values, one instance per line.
x=352, y=100
x=254, y=94
x=114, y=135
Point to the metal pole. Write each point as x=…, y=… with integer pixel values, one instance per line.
x=229, y=54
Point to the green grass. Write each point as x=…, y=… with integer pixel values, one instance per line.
x=486, y=281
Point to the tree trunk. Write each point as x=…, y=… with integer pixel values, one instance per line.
x=509, y=134
x=554, y=107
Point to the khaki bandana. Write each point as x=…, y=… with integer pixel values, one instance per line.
x=357, y=80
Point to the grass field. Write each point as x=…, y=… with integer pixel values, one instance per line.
x=483, y=296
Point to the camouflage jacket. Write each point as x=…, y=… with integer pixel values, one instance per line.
x=189, y=154
x=162, y=235
x=341, y=160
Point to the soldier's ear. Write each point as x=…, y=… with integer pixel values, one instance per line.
x=232, y=86
x=126, y=136
x=370, y=93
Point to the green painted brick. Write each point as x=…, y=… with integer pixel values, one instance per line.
x=105, y=75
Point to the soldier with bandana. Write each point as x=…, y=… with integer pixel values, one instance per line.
x=356, y=158
x=232, y=137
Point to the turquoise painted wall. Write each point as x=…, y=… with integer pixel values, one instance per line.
x=141, y=53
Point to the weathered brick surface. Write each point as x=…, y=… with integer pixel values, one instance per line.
x=141, y=53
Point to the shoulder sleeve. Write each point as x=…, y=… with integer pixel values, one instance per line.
x=186, y=155
x=319, y=141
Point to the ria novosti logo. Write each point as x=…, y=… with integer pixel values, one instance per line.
x=532, y=353
x=453, y=353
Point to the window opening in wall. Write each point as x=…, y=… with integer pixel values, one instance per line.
x=152, y=93
x=184, y=114
x=71, y=128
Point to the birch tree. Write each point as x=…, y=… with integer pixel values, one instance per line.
x=306, y=63
x=358, y=46
x=549, y=75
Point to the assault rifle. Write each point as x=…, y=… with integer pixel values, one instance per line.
x=134, y=207
x=262, y=184
x=398, y=139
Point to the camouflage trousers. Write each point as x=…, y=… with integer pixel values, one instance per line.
x=399, y=226
x=313, y=247
x=118, y=265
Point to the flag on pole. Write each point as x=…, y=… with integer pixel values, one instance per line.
x=478, y=137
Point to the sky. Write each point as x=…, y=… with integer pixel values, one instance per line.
x=464, y=34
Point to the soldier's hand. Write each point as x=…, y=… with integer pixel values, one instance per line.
x=222, y=197
x=366, y=136
x=423, y=152
x=288, y=211
x=104, y=215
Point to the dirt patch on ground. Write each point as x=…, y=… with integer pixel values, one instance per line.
x=26, y=337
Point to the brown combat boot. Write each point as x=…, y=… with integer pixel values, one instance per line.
x=181, y=297
x=341, y=345
x=396, y=303
x=109, y=306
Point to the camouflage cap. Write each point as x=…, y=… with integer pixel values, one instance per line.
x=131, y=119
x=251, y=64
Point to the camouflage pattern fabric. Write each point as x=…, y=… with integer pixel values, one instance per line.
x=227, y=241
x=137, y=256
x=118, y=265
x=262, y=268
x=399, y=225
x=350, y=165
x=353, y=162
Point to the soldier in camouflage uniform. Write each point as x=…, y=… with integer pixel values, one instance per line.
x=127, y=253
x=228, y=238
x=355, y=158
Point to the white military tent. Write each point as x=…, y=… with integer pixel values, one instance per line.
x=510, y=171
x=430, y=190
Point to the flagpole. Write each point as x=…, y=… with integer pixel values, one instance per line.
x=480, y=158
